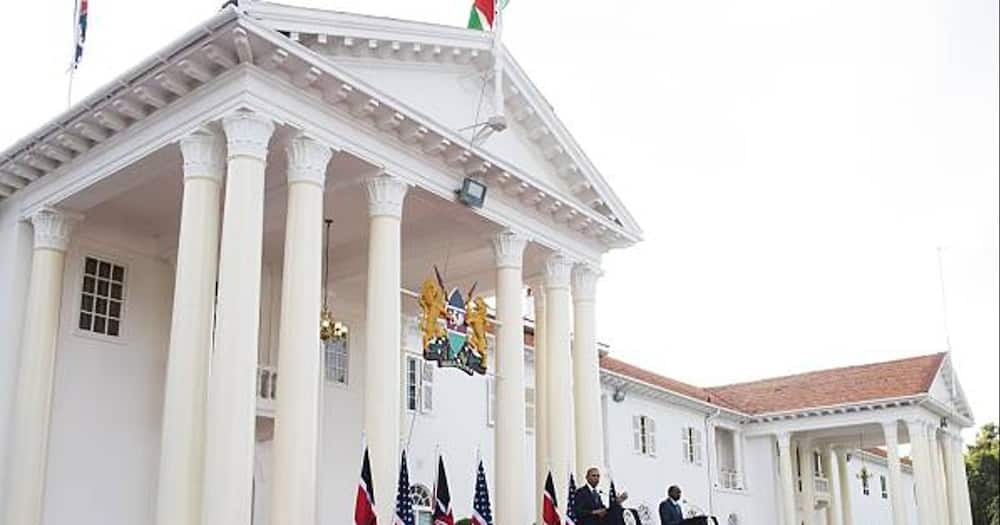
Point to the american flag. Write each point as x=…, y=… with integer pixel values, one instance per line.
x=404, y=501
x=550, y=505
x=442, y=498
x=80, y=35
x=481, y=513
x=571, y=502
x=364, y=505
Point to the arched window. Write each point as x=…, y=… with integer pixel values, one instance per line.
x=422, y=504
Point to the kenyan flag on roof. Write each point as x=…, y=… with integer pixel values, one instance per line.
x=483, y=12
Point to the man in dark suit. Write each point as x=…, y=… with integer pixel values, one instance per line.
x=590, y=508
x=671, y=512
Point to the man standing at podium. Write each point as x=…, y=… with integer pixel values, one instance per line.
x=671, y=511
x=590, y=509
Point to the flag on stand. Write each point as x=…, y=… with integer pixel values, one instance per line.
x=614, y=508
x=571, y=502
x=80, y=33
x=404, y=501
x=482, y=11
x=442, y=498
x=364, y=504
x=550, y=505
x=481, y=513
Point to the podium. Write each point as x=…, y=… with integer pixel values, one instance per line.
x=701, y=520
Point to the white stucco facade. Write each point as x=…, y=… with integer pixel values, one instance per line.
x=203, y=176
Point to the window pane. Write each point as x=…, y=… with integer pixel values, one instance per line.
x=102, y=287
x=104, y=270
x=99, y=324
x=85, y=321
x=87, y=303
x=115, y=309
x=116, y=291
x=118, y=274
x=112, y=327
x=90, y=266
x=89, y=284
x=102, y=306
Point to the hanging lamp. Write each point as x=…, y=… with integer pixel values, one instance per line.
x=327, y=326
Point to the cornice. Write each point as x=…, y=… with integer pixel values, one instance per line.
x=228, y=41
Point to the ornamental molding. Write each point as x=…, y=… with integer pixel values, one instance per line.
x=203, y=155
x=232, y=40
x=385, y=196
x=247, y=134
x=585, y=278
x=508, y=248
x=307, y=160
x=557, y=271
x=53, y=228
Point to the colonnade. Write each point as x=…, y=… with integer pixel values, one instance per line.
x=207, y=444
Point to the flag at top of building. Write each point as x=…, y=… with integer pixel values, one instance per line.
x=550, y=505
x=80, y=32
x=442, y=497
x=571, y=502
x=364, y=505
x=404, y=501
x=481, y=513
x=483, y=13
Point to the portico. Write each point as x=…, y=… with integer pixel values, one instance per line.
x=248, y=140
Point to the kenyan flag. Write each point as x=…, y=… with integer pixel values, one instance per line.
x=482, y=13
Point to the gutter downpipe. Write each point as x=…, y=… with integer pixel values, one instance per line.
x=708, y=460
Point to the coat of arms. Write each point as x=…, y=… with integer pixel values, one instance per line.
x=453, y=327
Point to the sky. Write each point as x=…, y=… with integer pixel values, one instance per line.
x=795, y=166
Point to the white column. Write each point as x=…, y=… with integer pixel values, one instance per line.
x=382, y=334
x=33, y=398
x=509, y=432
x=229, y=447
x=296, y=425
x=739, y=463
x=586, y=371
x=541, y=400
x=938, y=476
x=808, y=482
x=952, y=478
x=835, y=510
x=182, y=446
x=961, y=485
x=846, y=511
x=926, y=509
x=897, y=507
x=788, y=483
x=559, y=367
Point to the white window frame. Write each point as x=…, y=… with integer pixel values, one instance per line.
x=420, y=382
x=529, y=409
x=419, y=493
x=644, y=435
x=692, y=445
x=124, y=301
x=884, y=486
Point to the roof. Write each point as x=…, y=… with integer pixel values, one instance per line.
x=880, y=452
x=838, y=386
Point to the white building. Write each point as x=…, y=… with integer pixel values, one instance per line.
x=163, y=267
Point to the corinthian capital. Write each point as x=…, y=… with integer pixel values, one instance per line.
x=508, y=247
x=203, y=154
x=247, y=134
x=385, y=196
x=307, y=160
x=53, y=228
x=557, y=271
x=585, y=278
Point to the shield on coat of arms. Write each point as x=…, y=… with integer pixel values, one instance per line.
x=455, y=324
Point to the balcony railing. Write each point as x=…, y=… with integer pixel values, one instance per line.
x=730, y=479
x=267, y=388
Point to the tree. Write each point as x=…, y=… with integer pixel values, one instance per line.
x=982, y=462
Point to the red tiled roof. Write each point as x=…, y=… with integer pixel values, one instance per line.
x=838, y=386
x=620, y=367
x=883, y=454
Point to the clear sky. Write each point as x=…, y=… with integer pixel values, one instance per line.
x=794, y=165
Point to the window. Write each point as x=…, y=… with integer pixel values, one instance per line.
x=336, y=355
x=691, y=445
x=866, y=486
x=818, y=464
x=491, y=400
x=725, y=451
x=884, y=486
x=102, y=300
x=419, y=385
x=644, y=435
x=422, y=510
x=529, y=409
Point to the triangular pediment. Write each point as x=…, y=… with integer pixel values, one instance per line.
x=445, y=73
x=947, y=390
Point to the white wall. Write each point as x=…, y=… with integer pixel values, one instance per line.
x=107, y=402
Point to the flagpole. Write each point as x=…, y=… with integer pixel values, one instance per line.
x=72, y=62
x=498, y=62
